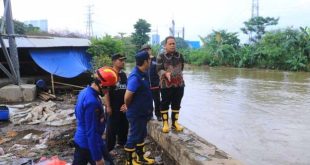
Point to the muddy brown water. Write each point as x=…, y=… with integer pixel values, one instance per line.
x=260, y=117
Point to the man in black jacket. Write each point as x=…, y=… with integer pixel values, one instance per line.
x=117, y=127
x=154, y=82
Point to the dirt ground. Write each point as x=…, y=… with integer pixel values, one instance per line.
x=19, y=150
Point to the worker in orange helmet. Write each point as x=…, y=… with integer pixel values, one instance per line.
x=90, y=120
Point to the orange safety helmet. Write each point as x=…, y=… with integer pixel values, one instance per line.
x=107, y=76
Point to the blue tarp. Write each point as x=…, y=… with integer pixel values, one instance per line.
x=63, y=62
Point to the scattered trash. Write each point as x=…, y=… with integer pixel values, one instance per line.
x=44, y=113
x=29, y=162
x=7, y=158
x=4, y=112
x=17, y=147
x=3, y=140
x=1, y=151
x=11, y=134
x=158, y=160
x=47, y=96
x=27, y=137
x=20, y=105
x=51, y=161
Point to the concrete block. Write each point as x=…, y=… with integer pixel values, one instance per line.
x=14, y=93
x=187, y=148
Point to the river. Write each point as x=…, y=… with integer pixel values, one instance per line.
x=260, y=117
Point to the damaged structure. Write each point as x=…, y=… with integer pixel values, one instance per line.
x=52, y=59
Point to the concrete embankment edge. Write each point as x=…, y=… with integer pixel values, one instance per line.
x=187, y=148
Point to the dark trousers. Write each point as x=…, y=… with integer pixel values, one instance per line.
x=156, y=99
x=137, y=132
x=117, y=128
x=82, y=156
x=171, y=96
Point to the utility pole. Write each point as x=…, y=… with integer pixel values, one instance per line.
x=12, y=55
x=255, y=13
x=172, y=29
x=89, y=22
x=255, y=8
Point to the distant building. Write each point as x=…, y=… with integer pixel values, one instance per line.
x=42, y=24
x=155, y=39
x=193, y=44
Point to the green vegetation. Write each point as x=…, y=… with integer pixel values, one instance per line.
x=21, y=28
x=257, y=26
x=103, y=48
x=283, y=49
x=140, y=37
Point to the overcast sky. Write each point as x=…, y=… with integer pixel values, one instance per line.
x=198, y=17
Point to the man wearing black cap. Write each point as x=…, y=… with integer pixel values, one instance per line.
x=154, y=82
x=117, y=125
x=139, y=103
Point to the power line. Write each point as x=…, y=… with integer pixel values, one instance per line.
x=255, y=13
x=89, y=22
x=255, y=8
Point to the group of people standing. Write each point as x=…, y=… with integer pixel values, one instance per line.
x=128, y=105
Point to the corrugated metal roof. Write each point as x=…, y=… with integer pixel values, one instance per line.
x=46, y=42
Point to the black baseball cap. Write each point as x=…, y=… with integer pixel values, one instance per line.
x=118, y=56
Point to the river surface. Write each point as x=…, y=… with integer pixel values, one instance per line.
x=260, y=117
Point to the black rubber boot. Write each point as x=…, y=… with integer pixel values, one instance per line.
x=140, y=155
x=131, y=157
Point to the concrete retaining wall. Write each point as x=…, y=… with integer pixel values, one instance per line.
x=15, y=93
x=189, y=149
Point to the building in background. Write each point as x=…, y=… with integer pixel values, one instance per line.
x=42, y=24
x=155, y=39
x=193, y=44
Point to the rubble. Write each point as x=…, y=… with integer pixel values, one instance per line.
x=44, y=113
x=1, y=151
x=27, y=138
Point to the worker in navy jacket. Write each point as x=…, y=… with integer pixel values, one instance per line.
x=90, y=119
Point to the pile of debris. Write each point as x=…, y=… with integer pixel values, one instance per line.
x=27, y=144
x=45, y=113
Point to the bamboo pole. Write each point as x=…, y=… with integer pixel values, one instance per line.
x=76, y=86
x=53, y=89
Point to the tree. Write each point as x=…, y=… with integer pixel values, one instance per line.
x=102, y=48
x=257, y=25
x=21, y=28
x=222, y=46
x=286, y=49
x=222, y=37
x=140, y=37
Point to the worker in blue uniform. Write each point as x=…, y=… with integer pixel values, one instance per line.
x=90, y=119
x=138, y=100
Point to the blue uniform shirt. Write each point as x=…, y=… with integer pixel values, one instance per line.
x=142, y=103
x=88, y=112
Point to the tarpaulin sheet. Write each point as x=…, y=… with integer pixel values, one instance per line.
x=63, y=62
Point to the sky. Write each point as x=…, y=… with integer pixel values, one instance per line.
x=198, y=17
